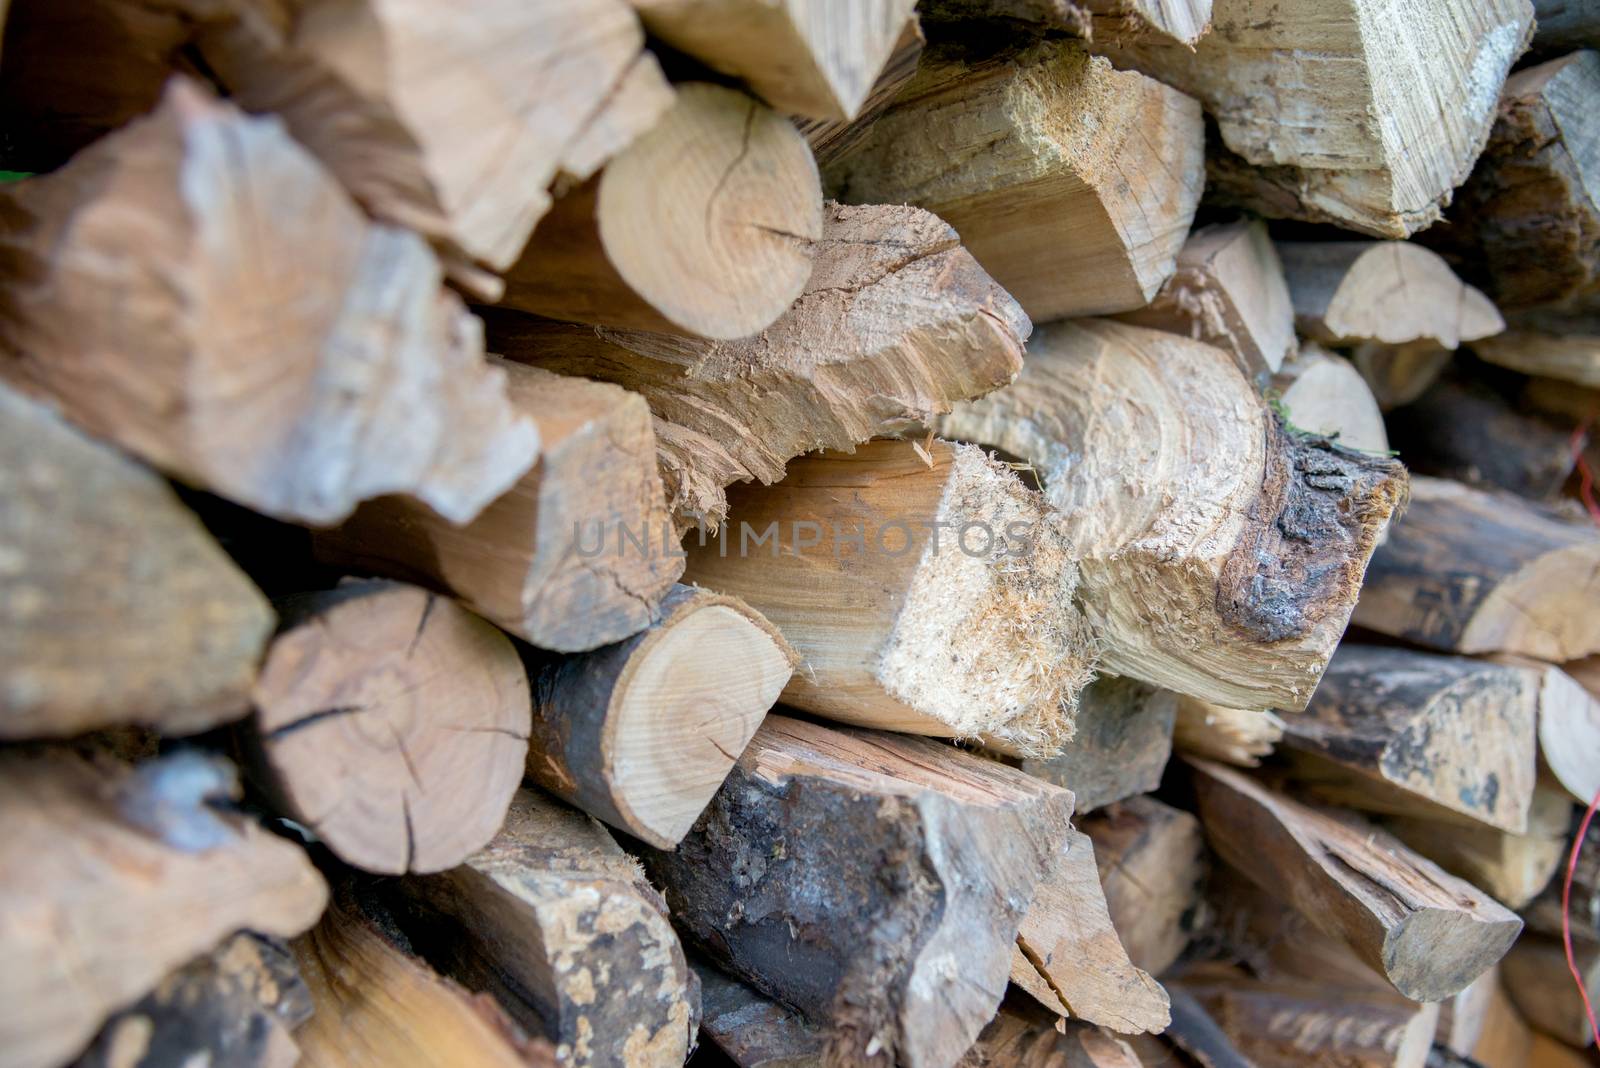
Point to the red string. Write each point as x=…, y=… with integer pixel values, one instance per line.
x=1580, y=438
x=1566, y=911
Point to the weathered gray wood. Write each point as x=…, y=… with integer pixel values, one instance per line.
x=1119, y=747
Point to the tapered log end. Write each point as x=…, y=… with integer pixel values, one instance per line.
x=1434, y=954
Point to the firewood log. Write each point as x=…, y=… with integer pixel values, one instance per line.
x=1343, y=136
x=1152, y=860
x=1504, y=1040
x=897, y=324
x=197, y=290
x=1070, y=958
x=1325, y=394
x=1543, y=990
x=1238, y=736
x=576, y=555
x=378, y=1004
x=1228, y=291
x=753, y=1031
x=1569, y=730
x=114, y=878
x=1023, y=1036
x=704, y=225
x=1120, y=745
x=1565, y=24
x=1427, y=932
x=392, y=723
x=559, y=924
x=808, y=57
x=116, y=606
x=1080, y=213
x=235, y=1006
x=1466, y=430
x=1471, y=571
x=1564, y=347
x=1413, y=733
x=1190, y=573
x=641, y=734
x=930, y=857
x=1462, y=1018
x=1547, y=1052
x=975, y=637
x=1195, y=1032
x=1512, y=868
x=831, y=138
x=1032, y=17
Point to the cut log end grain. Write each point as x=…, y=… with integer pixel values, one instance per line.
x=705, y=225
x=1569, y=728
x=641, y=734
x=392, y=723
x=1328, y=395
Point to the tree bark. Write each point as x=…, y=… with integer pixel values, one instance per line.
x=1120, y=745
x=1152, y=861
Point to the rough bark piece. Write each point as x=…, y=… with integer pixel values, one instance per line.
x=1077, y=182
x=197, y=290
x=1239, y=736
x=1543, y=990
x=1513, y=868
x=393, y=723
x=116, y=606
x=809, y=57
x=1331, y=115
x=1471, y=571
x=641, y=734
x=1023, y=1036
x=1069, y=956
x=1325, y=394
x=98, y=910
x=1152, y=861
x=881, y=881
x=558, y=923
x=897, y=323
x=1220, y=554
x=974, y=638
x=575, y=555
x=1466, y=430
x=1228, y=291
x=1120, y=745
x=705, y=225
x=1428, y=933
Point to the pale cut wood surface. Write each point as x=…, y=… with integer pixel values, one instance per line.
x=392, y=723
x=1326, y=394
x=1152, y=860
x=1122, y=737
x=1080, y=210
x=1399, y=374
x=196, y=289
x=897, y=324
x=831, y=138
x=1238, y=736
x=1569, y=728
x=575, y=555
x=1173, y=479
x=1569, y=352
x=1513, y=868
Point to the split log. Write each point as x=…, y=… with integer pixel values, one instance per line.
x=829, y=138
x=1546, y=1052
x=809, y=57
x=235, y=1006
x=378, y=1004
x=558, y=87
x=1471, y=571
x=1325, y=394
x=1228, y=291
x=1569, y=730
x=897, y=324
x=1399, y=374
x=1583, y=905
x=116, y=606
x=1120, y=745
x=170, y=337
x=960, y=585
x=559, y=924
x=575, y=555
x=1542, y=988
x=1344, y=136
x=1152, y=861
x=1427, y=932
x=1466, y=430
x=1463, y=1017
x=1566, y=24
x=930, y=857
x=641, y=734
x=1023, y=1036
x=752, y=1031
x=1564, y=347
x=1079, y=210
x=1513, y=868
x=1220, y=554
x=392, y=723
x=704, y=225
x=1504, y=1040
x=1070, y=958
x=1417, y=734
x=1238, y=736
x=99, y=909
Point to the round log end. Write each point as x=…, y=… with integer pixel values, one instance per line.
x=1435, y=953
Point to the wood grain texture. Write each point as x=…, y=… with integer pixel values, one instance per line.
x=1466, y=430
x=1120, y=744
x=1152, y=860
x=1023, y=1036
x=1512, y=868
x=1543, y=990
x=1238, y=736
x=1321, y=393
x=1549, y=345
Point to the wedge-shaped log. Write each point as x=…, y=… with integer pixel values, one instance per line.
x=1330, y=115
x=393, y=723
x=575, y=555
x=1427, y=932
x=930, y=857
x=705, y=225
x=1543, y=990
x=1121, y=741
x=1238, y=736
x=1569, y=729
x=959, y=582
x=1325, y=394
x=198, y=290
x=641, y=734
x=897, y=324
x=1471, y=571
x=1513, y=868
x=831, y=138
x=1221, y=554
x=559, y=924
x=99, y=909
x=116, y=606
x=1152, y=861
x=1078, y=182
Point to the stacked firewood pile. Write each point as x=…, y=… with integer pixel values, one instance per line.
x=984, y=533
